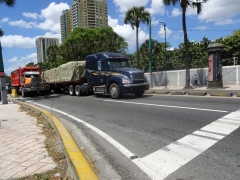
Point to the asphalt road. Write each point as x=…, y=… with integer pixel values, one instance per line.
x=158, y=136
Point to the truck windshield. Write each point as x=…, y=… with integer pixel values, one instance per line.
x=119, y=63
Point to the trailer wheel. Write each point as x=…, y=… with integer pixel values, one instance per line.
x=77, y=90
x=114, y=91
x=71, y=90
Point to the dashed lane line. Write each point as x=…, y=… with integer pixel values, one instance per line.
x=159, y=105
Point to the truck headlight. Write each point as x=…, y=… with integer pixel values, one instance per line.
x=145, y=79
x=126, y=81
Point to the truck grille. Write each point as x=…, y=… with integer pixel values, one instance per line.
x=137, y=76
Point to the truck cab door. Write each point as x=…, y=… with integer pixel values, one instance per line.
x=102, y=69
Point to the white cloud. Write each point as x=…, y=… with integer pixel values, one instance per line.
x=218, y=10
x=112, y=22
x=161, y=32
x=20, y=62
x=51, y=16
x=176, y=12
x=18, y=41
x=124, y=5
x=54, y=11
x=23, y=24
x=201, y=28
x=226, y=21
x=30, y=15
x=154, y=21
x=14, y=59
x=191, y=11
x=157, y=7
x=127, y=32
x=5, y=19
x=24, y=42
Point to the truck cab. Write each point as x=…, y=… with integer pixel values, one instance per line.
x=28, y=80
x=111, y=73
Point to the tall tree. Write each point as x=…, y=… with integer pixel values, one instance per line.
x=9, y=3
x=184, y=4
x=134, y=17
x=31, y=64
x=52, y=53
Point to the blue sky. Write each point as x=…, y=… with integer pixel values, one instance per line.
x=29, y=19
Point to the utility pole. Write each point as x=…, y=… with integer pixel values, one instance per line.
x=150, y=52
x=3, y=93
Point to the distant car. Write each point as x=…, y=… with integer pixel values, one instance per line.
x=9, y=88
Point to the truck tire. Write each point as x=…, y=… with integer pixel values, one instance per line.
x=71, y=90
x=114, y=91
x=139, y=93
x=24, y=94
x=77, y=90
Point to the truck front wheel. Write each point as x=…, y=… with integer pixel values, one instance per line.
x=24, y=94
x=114, y=91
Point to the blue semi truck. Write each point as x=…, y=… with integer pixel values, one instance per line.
x=100, y=73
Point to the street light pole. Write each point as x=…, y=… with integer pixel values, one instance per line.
x=165, y=61
x=150, y=52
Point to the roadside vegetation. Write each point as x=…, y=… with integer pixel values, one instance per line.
x=198, y=54
x=54, y=148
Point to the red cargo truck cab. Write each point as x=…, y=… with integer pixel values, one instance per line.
x=28, y=80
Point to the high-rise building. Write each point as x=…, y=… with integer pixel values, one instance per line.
x=89, y=13
x=42, y=44
x=66, y=23
x=85, y=14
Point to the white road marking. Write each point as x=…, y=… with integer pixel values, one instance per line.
x=165, y=161
x=121, y=148
x=159, y=105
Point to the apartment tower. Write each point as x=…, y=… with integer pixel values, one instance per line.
x=42, y=44
x=84, y=14
x=66, y=23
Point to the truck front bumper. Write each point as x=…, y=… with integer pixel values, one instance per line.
x=36, y=89
x=132, y=88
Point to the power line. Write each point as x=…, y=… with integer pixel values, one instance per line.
x=203, y=29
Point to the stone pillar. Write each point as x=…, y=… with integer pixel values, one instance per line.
x=215, y=66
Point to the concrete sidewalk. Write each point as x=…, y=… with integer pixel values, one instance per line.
x=22, y=148
x=200, y=87
x=226, y=91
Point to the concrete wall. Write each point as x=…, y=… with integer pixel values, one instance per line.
x=230, y=74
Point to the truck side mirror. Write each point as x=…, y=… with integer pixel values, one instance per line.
x=129, y=62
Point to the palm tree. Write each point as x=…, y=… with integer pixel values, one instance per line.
x=184, y=4
x=9, y=3
x=134, y=17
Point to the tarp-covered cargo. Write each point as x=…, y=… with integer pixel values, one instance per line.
x=71, y=71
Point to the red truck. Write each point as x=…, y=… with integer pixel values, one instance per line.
x=28, y=80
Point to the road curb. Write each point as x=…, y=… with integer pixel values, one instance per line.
x=238, y=94
x=197, y=93
x=149, y=91
x=161, y=92
x=225, y=94
x=79, y=164
x=177, y=92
